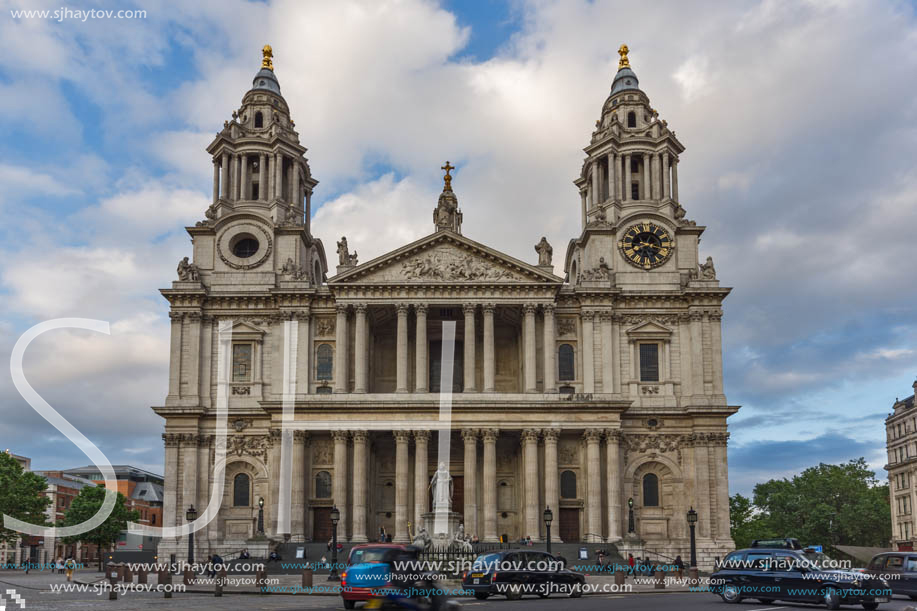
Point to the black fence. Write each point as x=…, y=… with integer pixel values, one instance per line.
x=453, y=561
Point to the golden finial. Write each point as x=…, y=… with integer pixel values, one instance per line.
x=622, y=51
x=267, y=61
x=447, y=178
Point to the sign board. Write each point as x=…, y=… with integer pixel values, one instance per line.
x=300, y=552
x=583, y=553
x=816, y=548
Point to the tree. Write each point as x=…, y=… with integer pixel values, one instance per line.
x=86, y=505
x=828, y=505
x=21, y=497
x=746, y=521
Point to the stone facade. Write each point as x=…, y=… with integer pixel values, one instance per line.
x=901, y=443
x=577, y=392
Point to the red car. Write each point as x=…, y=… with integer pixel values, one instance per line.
x=372, y=552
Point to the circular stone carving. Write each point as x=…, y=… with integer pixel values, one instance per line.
x=233, y=234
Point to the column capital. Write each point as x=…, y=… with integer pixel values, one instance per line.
x=341, y=308
x=340, y=435
x=605, y=316
x=488, y=308
x=529, y=435
x=300, y=436
x=420, y=308
x=360, y=436
x=529, y=308
x=171, y=440
x=490, y=434
x=469, y=308
x=588, y=315
x=548, y=309
x=470, y=435
x=423, y=435
x=613, y=436
x=302, y=314
x=359, y=308
x=402, y=436
x=402, y=309
x=176, y=316
x=551, y=434
x=592, y=435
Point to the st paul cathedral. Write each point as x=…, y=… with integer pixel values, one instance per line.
x=586, y=392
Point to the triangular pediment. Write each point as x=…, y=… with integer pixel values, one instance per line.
x=246, y=329
x=649, y=328
x=445, y=257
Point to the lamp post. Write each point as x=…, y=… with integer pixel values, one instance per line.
x=692, y=520
x=335, y=518
x=630, y=515
x=190, y=516
x=548, y=518
x=261, y=516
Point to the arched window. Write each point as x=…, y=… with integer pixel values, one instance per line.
x=259, y=119
x=568, y=485
x=241, y=496
x=324, y=362
x=650, y=490
x=565, y=363
x=323, y=485
x=631, y=119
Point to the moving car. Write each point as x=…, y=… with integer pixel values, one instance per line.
x=386, y=553
x=899, y=569
x=516, y=573
x=769, y=574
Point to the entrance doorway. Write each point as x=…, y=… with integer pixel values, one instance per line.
x=321, y=524
x=569, y=524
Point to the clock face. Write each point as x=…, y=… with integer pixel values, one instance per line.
x=646, y=245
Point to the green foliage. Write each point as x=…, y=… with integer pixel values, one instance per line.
x=20, y=496
x=85, y=506
x=825, y=505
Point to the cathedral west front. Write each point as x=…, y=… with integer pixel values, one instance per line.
x=587, y=386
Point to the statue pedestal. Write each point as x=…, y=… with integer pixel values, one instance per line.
x=442, y=526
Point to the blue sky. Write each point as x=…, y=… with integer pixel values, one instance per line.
x=800, y=137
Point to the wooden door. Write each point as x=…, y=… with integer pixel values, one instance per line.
x=458, y=497
x=321, y=525
x=568, y=527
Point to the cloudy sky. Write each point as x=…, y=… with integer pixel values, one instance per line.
x=799, y=118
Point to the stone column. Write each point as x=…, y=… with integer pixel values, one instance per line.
x=530, y=466
x=189, y=472
x=175, y=354
x=582, y=195
x=489, y=437
x=470, y=436
x=588, y=353
x=596, y=190
x=607, y=347
x=613, y=477
x=340, y=350
x=722, y=484
x=203, y=476
x=232, y=177
x=697, y=353
x=339, y=483
x=170, y=490
x=666, y=191
x=224, y=182
x=271, y=175
x=359, y=486
x=401, y=366
x=702, y=485
x=550, y=350
x=421, y=368
x=401, y=485
x=262, y=178
x=489, y=361
x=276, y=437
x=551, y=486
x=594, y=486
x=627, y=178
x=295, y=193
x=360, y=351
x=298, y=489
x=647, y=178
x=612, y=176
x=616, y=352
x=194, y=358
x=237, y=192
x=216, y=180
x=528, y=332
x=469, y=364
x=244, y=180
x=675, y=179
x=278, y=180
x=716, y=343
x=421, y=457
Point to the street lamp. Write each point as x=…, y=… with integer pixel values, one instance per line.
x=190, y=516
x=630, y=515
x=548, y=518
x=261, y=516
x=335, y=518
x=692, y=520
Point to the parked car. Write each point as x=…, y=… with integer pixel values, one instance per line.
x=785, y=543
x=901, y=568
x=790, y=575
x=515, y=573
x=386, y=553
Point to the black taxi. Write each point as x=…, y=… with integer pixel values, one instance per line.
x=516, y=573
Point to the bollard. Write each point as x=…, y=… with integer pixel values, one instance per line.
x=218, y=582
x=692, y=575
x=620, y=577
x=260, y=576
x=120, y=567
x=127, y=575
x=165, y=579
x=307, y=578
x=187, y=577
x=141, y=575
x=112, y=581
x=659, y=579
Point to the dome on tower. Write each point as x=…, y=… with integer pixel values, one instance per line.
x=266, y=79
x=625, y=78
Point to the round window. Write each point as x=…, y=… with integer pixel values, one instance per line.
x=245, y=248
x=652, y=422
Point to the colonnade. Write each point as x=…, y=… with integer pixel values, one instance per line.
x=233, y=179
x=612, y=179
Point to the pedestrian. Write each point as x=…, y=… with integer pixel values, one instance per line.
x=59, y=565
x=381, y=536
x=70, y=564
x=679, y=566
x=216, y=564
x=630, y=564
